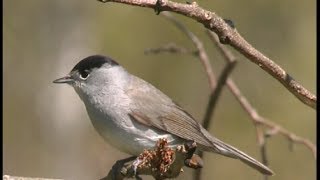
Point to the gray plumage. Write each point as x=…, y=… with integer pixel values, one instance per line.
x=132, y=115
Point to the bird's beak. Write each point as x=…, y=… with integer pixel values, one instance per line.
x=66, y=79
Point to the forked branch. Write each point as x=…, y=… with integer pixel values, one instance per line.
x=230, y=36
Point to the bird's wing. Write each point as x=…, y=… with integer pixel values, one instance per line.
x=153, y=108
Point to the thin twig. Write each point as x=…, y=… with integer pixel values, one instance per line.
x=168, y=48
x=228, y=35
x=256, y=118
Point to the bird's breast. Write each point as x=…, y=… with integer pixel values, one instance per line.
x=117, y=128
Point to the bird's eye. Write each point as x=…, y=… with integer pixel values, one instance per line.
x=84, y=74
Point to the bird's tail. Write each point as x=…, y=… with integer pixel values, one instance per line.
x=227, y=150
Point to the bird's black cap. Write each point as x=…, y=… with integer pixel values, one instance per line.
x=95, y=61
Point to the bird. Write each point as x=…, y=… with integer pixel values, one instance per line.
x=132, y=114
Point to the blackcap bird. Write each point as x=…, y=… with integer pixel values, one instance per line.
x=132, y=115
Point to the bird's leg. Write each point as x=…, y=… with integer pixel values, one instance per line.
x=192, y=160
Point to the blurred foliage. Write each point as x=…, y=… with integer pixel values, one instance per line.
x=47, y=132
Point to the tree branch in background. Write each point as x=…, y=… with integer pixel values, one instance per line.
x=255, y=117
x=216, y=88
x=228, y=35
x=257, y=120
x=264, y=127
x=229, y=57
x=171, y=48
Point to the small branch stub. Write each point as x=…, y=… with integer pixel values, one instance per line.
x=162, y=162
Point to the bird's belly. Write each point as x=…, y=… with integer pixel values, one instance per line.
x=129, y=137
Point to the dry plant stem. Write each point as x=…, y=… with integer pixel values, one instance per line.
x=259, y=120
x=228, y=35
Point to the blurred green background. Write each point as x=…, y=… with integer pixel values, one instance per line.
x=47, y=132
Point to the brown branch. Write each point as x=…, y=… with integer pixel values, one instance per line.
x=229, y=35
x=257, y=120
x=168, y=48
x=255, y=117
